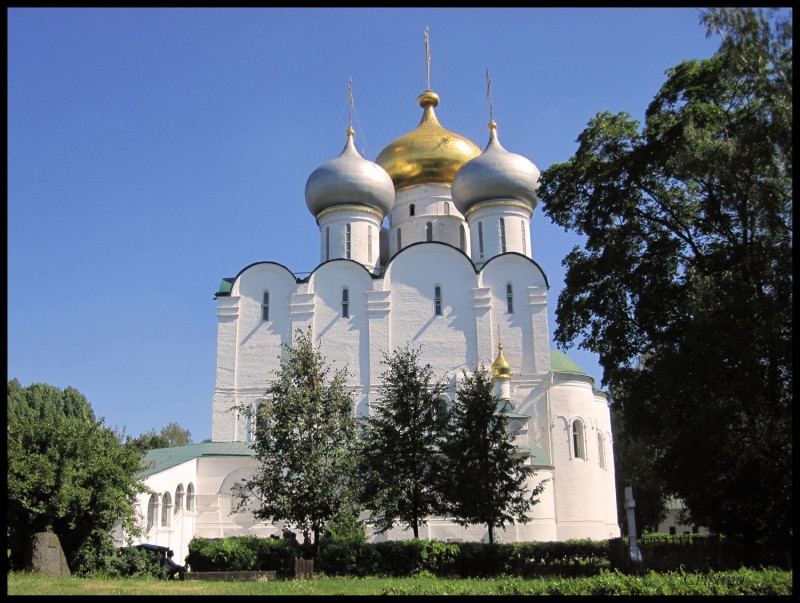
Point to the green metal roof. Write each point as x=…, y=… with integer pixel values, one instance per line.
x=561, y=363
x=539, y=456
x=515, y=415
x=225, y=286
x=160, y=459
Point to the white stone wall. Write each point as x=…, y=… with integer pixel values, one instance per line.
x=397, y=309
x=248, y=347
x=177, y=534
x=582, y=492
x=607, y=485
x=214, y=503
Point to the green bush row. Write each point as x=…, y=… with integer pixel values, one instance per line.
x=242, y=553
x=702, y=552
x=404, y=557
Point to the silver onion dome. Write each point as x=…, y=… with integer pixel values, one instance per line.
x=495, y=174
x=349, y=180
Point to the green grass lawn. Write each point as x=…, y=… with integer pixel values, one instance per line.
x=740, y=582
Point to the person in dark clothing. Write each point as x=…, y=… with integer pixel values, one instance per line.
x=173, y=567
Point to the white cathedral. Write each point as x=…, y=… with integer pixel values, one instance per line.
x=430, y=245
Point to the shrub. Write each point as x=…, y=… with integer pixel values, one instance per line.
x=132, y=562
x=242, y=553
x=349, y=558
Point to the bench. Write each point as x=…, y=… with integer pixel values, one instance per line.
x=228, y=576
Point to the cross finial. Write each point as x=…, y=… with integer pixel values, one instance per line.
x=427, y=59
x=489, y=96
x=350, y=93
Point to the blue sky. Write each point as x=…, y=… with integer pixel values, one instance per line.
x=152, y=152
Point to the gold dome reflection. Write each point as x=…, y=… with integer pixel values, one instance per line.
x=428, y=154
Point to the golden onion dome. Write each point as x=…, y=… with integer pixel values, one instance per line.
x=428, y=154
x=501, y=369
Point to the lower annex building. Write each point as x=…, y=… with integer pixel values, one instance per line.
x=429, y=245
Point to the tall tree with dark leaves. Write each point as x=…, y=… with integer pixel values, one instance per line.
x=305, y=442
x=684, y=288
x=400, y=455
x=68, y=474
x=485, y=477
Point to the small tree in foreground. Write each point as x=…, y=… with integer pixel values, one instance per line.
x=305, y=443
x=485, y=478
x=400, y=444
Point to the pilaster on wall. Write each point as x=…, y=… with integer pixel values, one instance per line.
x=482, y=302
x=537, y=302
x=378, y=315
x=301, y=313
x=224, y=419
x=227, y=323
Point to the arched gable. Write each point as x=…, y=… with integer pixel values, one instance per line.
x=516, y=288
x=260, y=274
x=431, y=292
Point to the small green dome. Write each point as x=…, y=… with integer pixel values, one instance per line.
x=561, y=363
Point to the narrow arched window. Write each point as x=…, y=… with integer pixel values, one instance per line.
x=179, y=498
x=347, y=233
x=601, y=451
x=578, y=450
x=151, y=512
x=369, y=243
x=190, y=497
x=345, y=303
x=399, y=240
x=166, y=510
x=265, y=306
x=509, y=299
x=524, y=240
x=446, y=208
x=411, y=210
x=502, y=235
x=327, y=243
x=429, y=231
x=480, y=238
x=462, y=242
x=437, y=300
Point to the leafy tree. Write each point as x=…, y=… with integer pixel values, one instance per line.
x=68, y=474
x=400, y=444
x=346, y=526
x=484, y=481
x=634, y=466
x=170, y=436
x=305, y=441
x=684, y=288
